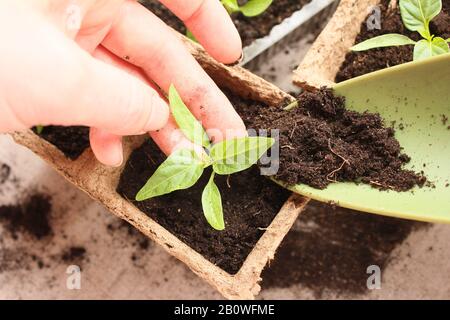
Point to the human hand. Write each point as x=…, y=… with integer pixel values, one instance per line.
x=95, y=63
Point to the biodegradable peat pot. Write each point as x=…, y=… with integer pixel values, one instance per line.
x=325, y=57
x=100, y=183
x=292, y=25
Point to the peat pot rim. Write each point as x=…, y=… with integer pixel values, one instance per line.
x=323, y=60
x=100, y=183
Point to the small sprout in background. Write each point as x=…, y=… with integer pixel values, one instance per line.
x=251, y=8
x=39, y=129
x=291, y=106
x=183, y=168
x=416, y=16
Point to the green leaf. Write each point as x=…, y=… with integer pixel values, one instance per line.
x=254, y=8
x=181, y=170
x=425, y=49
x=212, y=205
x=191, y=128
x=417, y=14
x=448, y=40
x=39, y=129
x=386, y=40
x=231, y=156
x=232, y=6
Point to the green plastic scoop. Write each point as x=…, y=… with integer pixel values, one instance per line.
x=417, y=95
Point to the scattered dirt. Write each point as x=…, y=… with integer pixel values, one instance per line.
x=250, y=204
x=331, y=248
x=75, y=254
x=5, y=172
x=140, y=242
x=30, y=217
x=321, y=142
x=250, y=29
x=72, y=141
x=359, y=63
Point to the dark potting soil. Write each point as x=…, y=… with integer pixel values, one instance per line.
x=330, y=248
x=359, y=63
x=30, y=217
x=250, y=29
x=321, y=142
x=72, y=141
x=250, y=203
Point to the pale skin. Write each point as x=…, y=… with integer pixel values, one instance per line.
x=95, y=63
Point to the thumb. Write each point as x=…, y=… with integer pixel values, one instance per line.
x=61, y=84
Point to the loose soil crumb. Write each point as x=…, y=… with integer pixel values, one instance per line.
x=72, y=141
x=140, y=242
x=74, y=254
x=250, y=204
x=5, y=172
x=330, y=249
x=359, y=63
x=250, y=29
x=30, y=217
x=321, y=142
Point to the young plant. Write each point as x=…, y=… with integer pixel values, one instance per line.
x=183, y=168
x=251, y=8
x=416, y=16
x=39, y=129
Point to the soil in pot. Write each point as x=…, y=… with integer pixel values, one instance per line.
x=250, y=29
x=359, y=63
x=72, y=141
x=250, y=203
x=315, y=138
x=321, y=142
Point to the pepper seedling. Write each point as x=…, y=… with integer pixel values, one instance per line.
x=416, y=16
x=251, y=8
x=184, y=167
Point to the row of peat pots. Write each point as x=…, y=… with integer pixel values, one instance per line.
x=258, y=213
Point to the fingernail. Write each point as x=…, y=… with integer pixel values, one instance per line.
x=119, y=160
x=238, y=61
x=159, y=116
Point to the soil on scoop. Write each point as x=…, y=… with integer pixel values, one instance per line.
x=72, y=141
x=359, y=63
x=250, y=29
x=330, y=248
x=250, y=203
x=30, y=217
x=321, y=142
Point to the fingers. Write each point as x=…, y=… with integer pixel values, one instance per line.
x=108, y=147
x=64, y=85
x=149, y=44
x=212, y=26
